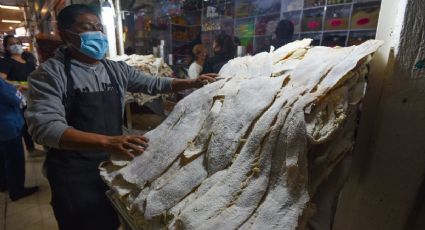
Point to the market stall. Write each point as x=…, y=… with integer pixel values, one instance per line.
x=328, y=23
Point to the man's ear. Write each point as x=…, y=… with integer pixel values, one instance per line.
x=63, y=36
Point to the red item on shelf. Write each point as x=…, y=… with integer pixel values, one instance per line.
x=363, y=21
x=336, y=22
x=313, y=25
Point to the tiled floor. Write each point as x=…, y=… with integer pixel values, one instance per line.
x=33, y=212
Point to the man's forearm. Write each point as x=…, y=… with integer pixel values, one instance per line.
x=130, y=145
x=181, y=84
x=73, y=139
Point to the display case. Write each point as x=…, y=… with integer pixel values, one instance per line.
x=292, y=5
x=335, y=2
x=312, y=19
x=337, y=17
x=333, y=39
x=266, y=25
x=244, y=8
x=267, y=7
x=365, y=15
x=328, y=22
x=358, y=37
x=314, y=3
x=217, y=17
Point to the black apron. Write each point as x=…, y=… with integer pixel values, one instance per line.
x=78, y=192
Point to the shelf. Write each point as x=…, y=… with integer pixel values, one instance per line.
x=314, y=7
x=258, y=16
x=263, y=35
x=340, y=4
x=362, y=30
x=187, y=26
x=335, y=31
x=181, y=41
x=181, y=55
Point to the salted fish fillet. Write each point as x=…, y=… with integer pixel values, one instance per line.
x=185, y=122
x=245, y=142
x=159, y=201
x=234, y=121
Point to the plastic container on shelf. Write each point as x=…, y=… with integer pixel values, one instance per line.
x=365, y=15
x=312, y=20
x=295, y=18
x=333, y=39
x=337, y=17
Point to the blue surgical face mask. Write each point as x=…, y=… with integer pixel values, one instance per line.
x=16, y=49
x=93, y=44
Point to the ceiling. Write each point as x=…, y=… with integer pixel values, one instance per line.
x=8, y=14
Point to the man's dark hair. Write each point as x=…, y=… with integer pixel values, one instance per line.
x=284, y=30
x=227, y=47
x=66, y=17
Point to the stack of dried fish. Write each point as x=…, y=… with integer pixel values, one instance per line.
x=253, y=148
x=147, y=64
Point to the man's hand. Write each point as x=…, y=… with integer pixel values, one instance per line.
x=129, y=145
x=205, y=79
x=182, y=84
x=22, y=87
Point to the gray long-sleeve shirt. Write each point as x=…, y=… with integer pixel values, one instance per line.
x=45, y=113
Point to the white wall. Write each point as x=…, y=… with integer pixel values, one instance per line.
x=389, y=166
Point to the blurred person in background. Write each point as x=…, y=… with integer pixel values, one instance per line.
x=200, y=53
x=284, y=34
x=12, y=159
x=224, y=50
x=16, y=67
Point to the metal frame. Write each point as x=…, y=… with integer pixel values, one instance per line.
x=126, y=220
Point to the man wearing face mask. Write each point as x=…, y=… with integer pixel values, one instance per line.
x=76, y=104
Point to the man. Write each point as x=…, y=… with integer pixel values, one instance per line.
x=284, y=34
x=76, y=103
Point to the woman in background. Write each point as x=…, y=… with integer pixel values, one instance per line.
x=224, y=50
x=17, y=66
x=12, y=159
x=200, y=53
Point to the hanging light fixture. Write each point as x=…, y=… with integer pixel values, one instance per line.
x=10, y=21
x=9, y=7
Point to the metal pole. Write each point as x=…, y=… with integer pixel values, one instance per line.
x=119, y=30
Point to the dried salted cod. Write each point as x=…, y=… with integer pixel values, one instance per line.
x=147, y=64
x=235, y=154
